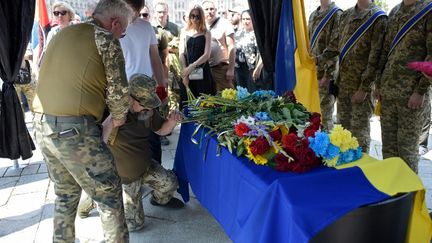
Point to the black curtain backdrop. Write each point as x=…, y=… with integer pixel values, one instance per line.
x=16, y=21
x=265, y=18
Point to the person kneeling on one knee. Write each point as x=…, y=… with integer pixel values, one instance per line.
x=131, y=149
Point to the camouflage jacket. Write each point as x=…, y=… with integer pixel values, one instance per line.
x=359, y=69
x=397, y=80
x=323, y=39
x=117, y=90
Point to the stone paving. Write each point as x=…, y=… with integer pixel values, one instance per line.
x=27, y=202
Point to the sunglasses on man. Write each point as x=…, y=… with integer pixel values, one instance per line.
x=60, y=13
x=144, y=15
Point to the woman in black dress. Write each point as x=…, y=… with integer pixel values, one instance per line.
x=194, y=51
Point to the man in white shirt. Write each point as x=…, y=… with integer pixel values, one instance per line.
x=222, y=56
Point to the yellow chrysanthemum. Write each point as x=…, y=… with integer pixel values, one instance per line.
x=230, y=94
x=353, y=143
x=341, y=137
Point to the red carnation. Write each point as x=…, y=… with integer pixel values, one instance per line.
x=289, y=142
x=310, y=132
x=315, y=119
x=241, y=129
x=291, y=96
x=259, y=146
x=276, y=135
x=282, y=163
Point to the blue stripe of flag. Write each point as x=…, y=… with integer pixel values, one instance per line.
x=285, y=62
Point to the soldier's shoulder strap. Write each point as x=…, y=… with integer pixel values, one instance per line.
x=359, y=33
x=321, y=25
x=408, y=25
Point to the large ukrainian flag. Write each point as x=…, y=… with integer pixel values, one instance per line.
x=295, y=69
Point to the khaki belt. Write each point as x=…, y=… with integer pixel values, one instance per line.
x=64, y=119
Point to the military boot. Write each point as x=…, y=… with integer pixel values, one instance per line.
x=85, y=206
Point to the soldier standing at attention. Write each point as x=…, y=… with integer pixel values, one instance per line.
x=82, y=72
x=404, y=92
x=357, y=43
x=322, y=22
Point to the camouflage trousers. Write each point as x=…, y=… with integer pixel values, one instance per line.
x=164, y=184
x=355, y=118
x=327, y=102
x=401, y=128
x=28, y=90
x=81, y=161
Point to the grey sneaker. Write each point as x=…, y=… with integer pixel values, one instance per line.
x=85, y=207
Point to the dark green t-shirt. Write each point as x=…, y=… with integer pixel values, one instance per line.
x=131, y=148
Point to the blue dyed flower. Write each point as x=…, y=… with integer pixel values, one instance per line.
x=262, y=116
x=258, y=93
x=271, y=93
x=358, y=153
x=242, y=93
x=331, y=152
x=319, y=143
x=346, y=157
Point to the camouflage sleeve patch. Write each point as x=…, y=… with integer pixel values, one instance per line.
x=117, y=98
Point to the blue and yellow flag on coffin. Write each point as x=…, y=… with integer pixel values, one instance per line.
x=295, y=68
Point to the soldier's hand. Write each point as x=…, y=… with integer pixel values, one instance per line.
x=117, y=123
x=324, y=82
x=358, y=97
x=415, y=101
x=175, y=116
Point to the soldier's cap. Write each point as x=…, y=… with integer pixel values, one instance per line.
x=143, y=89
x=237, y=9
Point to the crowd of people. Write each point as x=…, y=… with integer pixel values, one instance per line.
x=106, y=93
x=123, y=74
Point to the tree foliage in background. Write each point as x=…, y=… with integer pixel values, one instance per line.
x=382, y=4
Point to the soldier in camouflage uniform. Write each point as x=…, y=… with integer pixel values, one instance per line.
x=327, y=100
x=358, y=70
x=82, y=73
x=404, y=92
x=131, y=149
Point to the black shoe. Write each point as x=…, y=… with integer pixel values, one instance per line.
x=172, y=203
x=164, y=140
